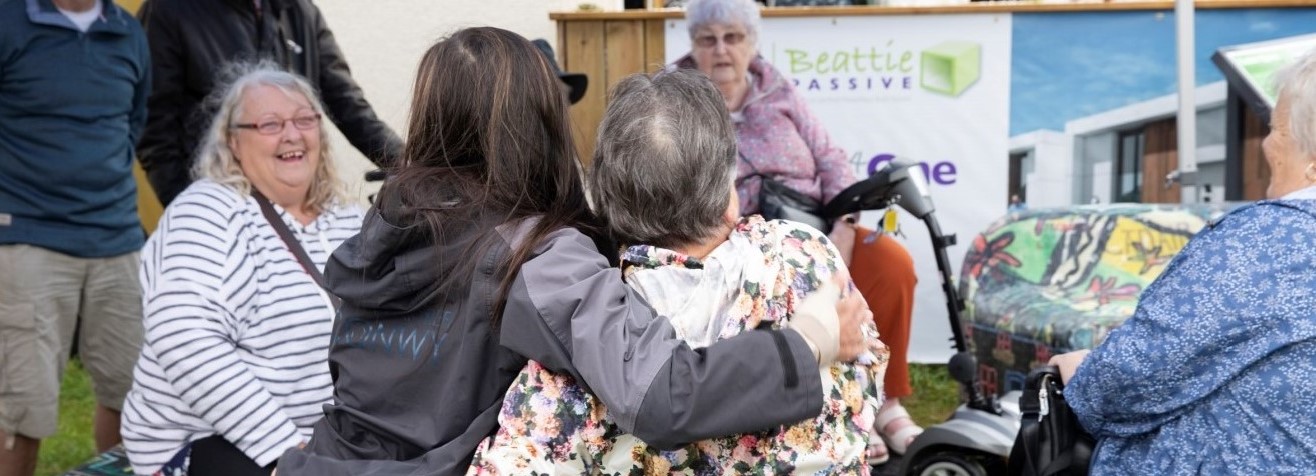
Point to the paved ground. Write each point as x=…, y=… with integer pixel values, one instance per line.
x=890, y=468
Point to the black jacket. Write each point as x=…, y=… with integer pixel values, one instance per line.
x=420, y=374
x=192, y=41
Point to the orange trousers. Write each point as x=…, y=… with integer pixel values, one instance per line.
x=883, y=271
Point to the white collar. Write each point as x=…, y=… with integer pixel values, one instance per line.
x=1308, y=193
x=83, y=19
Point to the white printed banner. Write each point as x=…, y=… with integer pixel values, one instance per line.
x=931, y=88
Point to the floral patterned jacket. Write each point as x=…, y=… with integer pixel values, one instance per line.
x=551, y=425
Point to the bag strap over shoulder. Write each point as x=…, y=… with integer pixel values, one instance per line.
x=272, y=216
x=752, y=168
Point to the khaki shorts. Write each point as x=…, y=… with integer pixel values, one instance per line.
x=43, y=296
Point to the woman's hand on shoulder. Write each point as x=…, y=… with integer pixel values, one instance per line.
x=831, y=320
x=853, y=312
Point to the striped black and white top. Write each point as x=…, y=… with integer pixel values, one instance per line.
x=237, y=333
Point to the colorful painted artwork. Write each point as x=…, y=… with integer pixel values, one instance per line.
x=1043, y=282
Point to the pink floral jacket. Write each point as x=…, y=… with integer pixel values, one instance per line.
x=779, y=136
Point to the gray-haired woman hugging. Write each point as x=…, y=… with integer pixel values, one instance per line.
x=662, y=179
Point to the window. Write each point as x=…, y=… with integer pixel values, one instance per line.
x=1128, y=167
x=1018, y=175
x=1021, y=168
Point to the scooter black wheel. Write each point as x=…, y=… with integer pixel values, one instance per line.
x=950, y=464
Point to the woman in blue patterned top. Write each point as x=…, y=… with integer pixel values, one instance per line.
x=1215, y=373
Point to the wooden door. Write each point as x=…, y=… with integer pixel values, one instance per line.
x=1160, y=159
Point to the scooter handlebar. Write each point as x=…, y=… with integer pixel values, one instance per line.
x=900, y=182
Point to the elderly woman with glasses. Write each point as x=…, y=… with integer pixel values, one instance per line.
x=1213, y=373
x=234, y=369
x=778, y=137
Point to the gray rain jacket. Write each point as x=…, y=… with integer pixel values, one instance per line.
x=420, y=374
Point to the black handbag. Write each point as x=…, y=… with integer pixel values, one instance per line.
x=1051, y=442
x=777, y=201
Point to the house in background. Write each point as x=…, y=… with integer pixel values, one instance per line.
x=1127, y=154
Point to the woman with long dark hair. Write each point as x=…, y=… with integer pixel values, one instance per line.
x=482, y=253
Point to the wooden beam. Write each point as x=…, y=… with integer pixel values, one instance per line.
x=973, y=7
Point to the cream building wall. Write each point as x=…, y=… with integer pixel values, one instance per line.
x=383, y=41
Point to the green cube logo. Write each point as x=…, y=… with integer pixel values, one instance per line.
x=951, y=67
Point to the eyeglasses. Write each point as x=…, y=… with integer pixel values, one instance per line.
x=274, y=126
x=731, y=38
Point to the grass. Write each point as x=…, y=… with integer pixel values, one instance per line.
x=935, y=394
x=935, y=397
x=73, y=443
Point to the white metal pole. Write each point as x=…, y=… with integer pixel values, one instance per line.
x=1187, y=123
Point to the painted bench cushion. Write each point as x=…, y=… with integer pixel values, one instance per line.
x=1043, y=282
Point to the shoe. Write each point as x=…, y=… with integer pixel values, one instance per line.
x=897, y=441
x=878, y=453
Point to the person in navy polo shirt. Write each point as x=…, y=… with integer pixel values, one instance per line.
x=74, y=78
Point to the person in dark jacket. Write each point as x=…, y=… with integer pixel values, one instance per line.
x=482, y=254
x=192, y=41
